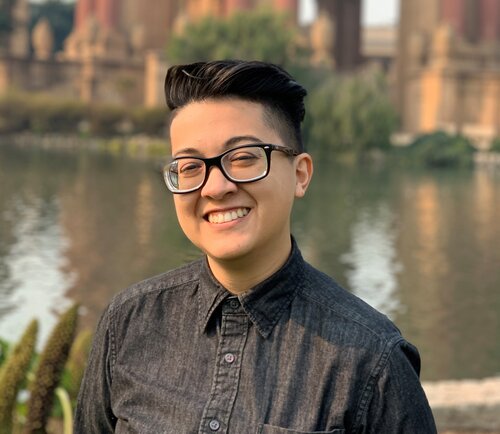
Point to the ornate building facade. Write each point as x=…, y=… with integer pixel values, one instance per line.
x=448, y=67
x=114, y=51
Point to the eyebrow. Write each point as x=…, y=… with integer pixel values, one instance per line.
x=236, y=140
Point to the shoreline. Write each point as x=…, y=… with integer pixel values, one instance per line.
x=142, y=146
x=465, y=406
x=139, y=146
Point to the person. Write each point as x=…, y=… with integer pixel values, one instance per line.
x=251, y=338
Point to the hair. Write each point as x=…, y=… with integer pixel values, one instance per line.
x=264, y=83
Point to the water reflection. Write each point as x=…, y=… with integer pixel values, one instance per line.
x=35, y=255
x=372, y=260
x=420, y=246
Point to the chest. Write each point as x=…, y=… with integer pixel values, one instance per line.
x=230, y=379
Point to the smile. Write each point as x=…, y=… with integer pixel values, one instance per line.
x=227, y=216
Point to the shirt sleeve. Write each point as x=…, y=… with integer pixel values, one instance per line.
x=93, y=410
x=398, y=403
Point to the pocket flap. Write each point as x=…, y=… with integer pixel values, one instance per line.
x=270, y=429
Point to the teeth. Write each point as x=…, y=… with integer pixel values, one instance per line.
x=224, y=217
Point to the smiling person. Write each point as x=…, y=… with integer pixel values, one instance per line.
x=251, y=338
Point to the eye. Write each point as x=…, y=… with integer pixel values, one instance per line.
x=244, y=156
x=190, y=167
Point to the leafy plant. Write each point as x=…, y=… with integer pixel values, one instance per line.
x=6, y=16
x=495, y=145
x=12, y=375
x=260, y=35
x=48, y=372
x=60, y=15
x=76, y=363
x=441, y=150
x=351, y=114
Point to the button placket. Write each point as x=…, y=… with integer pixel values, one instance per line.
x=229, y=358
x=214, y=425
x=233, y=334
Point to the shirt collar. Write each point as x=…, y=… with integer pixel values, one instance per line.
x=264, y=303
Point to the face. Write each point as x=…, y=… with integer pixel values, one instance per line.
x=226, y=220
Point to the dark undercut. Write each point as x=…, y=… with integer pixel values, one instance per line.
x=260, y=82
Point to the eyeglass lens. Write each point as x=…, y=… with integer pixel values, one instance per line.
x=240, y=165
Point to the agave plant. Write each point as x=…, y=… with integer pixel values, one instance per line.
x=49, y=371
x=77, y=361
x=13, y=373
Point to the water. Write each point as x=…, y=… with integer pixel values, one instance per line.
x=420, y=246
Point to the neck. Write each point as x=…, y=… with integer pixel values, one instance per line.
x=240, y=275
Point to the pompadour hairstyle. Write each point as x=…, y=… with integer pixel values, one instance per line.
x=254, y=81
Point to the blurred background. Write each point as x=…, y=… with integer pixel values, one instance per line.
x=403, y=122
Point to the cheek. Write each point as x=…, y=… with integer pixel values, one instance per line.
x=184, y=208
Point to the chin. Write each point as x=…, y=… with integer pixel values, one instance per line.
x=227, y=250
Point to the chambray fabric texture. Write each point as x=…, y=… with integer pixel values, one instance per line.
x=178, y=354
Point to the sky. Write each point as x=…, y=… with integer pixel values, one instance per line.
x=374, y=12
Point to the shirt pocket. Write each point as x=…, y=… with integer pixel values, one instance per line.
x=269, y=429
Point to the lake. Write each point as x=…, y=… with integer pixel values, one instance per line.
x=421, y=246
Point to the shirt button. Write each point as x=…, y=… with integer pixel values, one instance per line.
x=229, y=358
x=214, y=425
x=234, y=304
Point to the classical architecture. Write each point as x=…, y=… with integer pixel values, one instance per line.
x=448, y=67
x=114, y=51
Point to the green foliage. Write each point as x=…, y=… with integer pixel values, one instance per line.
x=4, y=349
x=441, y=150
x=14, y=114
x=150, y=121
x=13, y=374
x=495, y=145
x=48, y=115
x=49, y=371
x=105, y=119
x=5, y=17
x=259, y=35
x=44, y=114
x=60, y=15
x=350, y=114
x=76, y=363
x=39, y=113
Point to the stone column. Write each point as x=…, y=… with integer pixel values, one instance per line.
x=84, y=9
x=346, y=17
x=489, y=20
x=108, y=13
x=472, y=20
x=453, y=13
x=232, y=6
x=289, y=6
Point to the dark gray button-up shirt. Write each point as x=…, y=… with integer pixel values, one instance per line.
x=296, y=354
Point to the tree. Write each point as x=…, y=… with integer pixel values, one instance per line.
x=5, y=20
x=351, y=114
x=60, y=16
x=259, y=35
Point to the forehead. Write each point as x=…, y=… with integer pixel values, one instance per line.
x=209, y=123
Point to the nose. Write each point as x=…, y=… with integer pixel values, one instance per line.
x=217, y=185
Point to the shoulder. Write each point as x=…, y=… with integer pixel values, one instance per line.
x=179, y=279
x=342, y=310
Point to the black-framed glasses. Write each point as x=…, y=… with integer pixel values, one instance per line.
x=247, y=163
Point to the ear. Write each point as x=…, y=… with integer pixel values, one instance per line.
x=303, y=173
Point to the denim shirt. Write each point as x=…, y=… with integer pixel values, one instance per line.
x=296, y=354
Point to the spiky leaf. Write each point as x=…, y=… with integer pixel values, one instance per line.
x=48, y=372
x=13, y=374
x=77, y=361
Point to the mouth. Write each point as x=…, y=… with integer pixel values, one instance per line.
x=219, y=217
